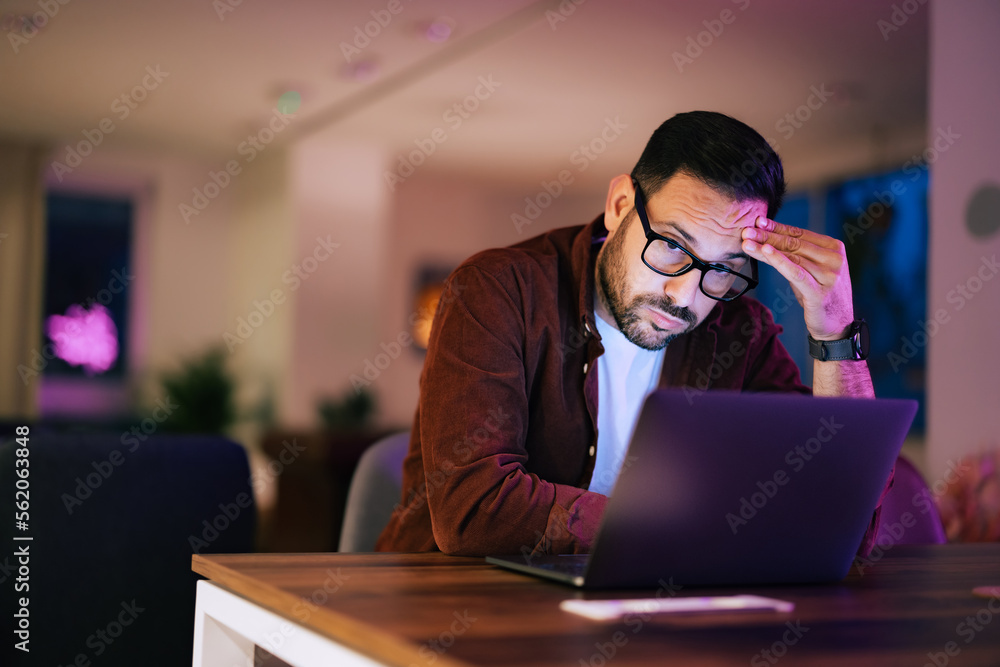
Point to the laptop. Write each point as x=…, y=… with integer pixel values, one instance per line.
x=728, y=488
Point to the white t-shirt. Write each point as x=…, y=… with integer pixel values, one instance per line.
x=626, y=375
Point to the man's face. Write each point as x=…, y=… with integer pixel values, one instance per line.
x=648, y=308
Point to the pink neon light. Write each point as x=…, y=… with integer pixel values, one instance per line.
x=85, y=338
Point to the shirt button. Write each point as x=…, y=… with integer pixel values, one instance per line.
x=592, y=450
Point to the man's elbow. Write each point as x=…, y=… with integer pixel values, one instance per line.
x=454, y=541
x=474, y=535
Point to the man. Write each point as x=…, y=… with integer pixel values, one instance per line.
x=541, y=353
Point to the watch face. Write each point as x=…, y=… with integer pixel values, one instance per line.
x=861, y=340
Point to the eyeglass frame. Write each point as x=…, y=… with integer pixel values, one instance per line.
x=696, y=263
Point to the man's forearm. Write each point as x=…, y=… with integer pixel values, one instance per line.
x=842, y=378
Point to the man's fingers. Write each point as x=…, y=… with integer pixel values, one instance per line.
x=805, y=235
x=797, y=271
x=821, y=273
x=814, y=265
x=797, y=244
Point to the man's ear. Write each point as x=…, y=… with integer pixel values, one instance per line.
x=621, y=199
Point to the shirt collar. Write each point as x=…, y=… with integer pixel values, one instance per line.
x=584, y=260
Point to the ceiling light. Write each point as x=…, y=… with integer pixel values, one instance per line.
x=440, y=29
x=362, y=70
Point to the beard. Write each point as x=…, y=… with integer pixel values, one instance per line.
x=625, y=307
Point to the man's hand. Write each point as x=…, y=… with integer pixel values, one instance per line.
x=815, y=266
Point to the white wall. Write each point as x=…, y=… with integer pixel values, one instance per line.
x=259, y=306
x=338, y=197
x=964, y=361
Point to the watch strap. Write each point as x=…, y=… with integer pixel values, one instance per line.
x=852, y=348
x=832, y=350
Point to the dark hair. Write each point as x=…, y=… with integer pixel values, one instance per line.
x=724, y=153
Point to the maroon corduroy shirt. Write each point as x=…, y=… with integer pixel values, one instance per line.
x=504, y=440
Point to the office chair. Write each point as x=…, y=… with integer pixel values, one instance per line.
x=908, y=485
x=114, y=521
x=375, y=489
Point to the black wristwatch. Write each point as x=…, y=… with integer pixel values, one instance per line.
x=852, y=348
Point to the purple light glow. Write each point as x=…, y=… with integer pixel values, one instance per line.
x=85, y=338
x=439, y=30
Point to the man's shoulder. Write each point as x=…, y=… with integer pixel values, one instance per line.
x=538, y=256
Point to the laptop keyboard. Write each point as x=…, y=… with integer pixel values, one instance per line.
x=572, y=565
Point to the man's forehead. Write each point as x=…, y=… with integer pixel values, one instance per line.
x=684, y=199
x=743, y=214
x=713, y=225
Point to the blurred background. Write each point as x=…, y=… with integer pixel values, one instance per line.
x=232, y=216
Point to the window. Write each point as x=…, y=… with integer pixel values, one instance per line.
x=87, y=284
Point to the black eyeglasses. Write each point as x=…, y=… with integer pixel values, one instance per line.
x=669, y=258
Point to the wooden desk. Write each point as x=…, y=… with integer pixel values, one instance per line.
x=913, y=606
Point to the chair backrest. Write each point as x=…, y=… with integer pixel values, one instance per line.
x=375, y=491
x=909, y=516
x=114, y=520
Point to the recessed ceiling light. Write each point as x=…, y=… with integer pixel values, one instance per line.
x=287, y=94
x=362, y=70
x=440, y=29
x=289, y=102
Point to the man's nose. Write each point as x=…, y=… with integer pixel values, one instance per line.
x=683, y=289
